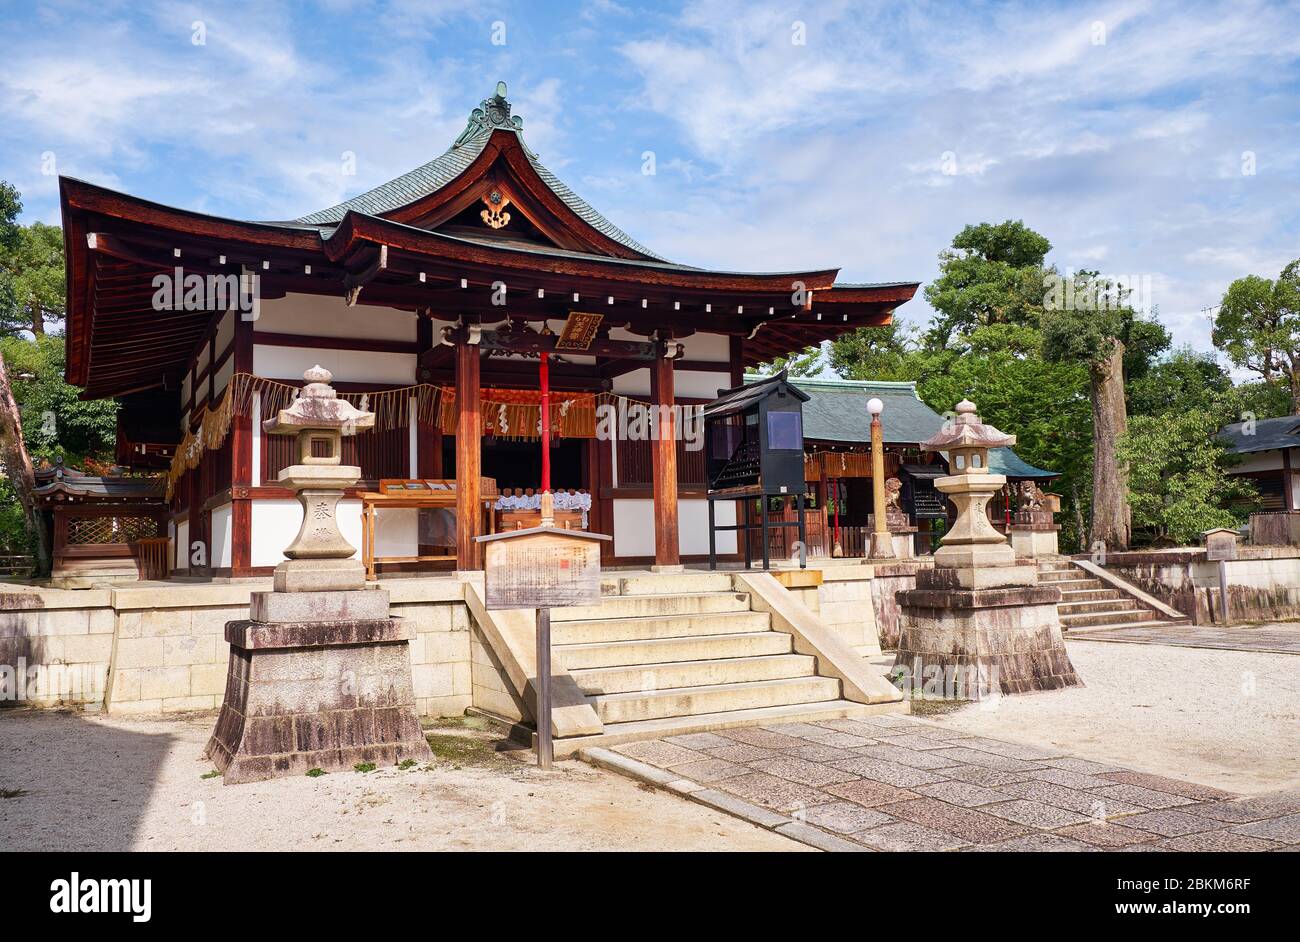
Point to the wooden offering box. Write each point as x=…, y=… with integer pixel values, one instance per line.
x=508, y=520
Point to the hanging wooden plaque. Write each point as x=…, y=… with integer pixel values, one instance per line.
x=579, y=331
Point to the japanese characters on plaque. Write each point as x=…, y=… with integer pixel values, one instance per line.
x=542, y=570
x=579, y=331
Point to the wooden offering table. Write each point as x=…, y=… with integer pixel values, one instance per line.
x=420, y=494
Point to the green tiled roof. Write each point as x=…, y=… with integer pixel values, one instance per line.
x=491, y=115
x=836, y=411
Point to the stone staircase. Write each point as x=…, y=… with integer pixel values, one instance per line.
x=1089, y=603
x=665, y=654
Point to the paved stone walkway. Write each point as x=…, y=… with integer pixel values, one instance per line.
x=1275, y=638
x=898, y=783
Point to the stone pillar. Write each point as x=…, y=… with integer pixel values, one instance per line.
x=978, y=623
x=320, y=673
x=1033, y=530
x=898, y=526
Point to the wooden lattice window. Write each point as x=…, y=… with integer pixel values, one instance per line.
x=99, y=531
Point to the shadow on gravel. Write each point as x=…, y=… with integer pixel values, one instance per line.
x=69, y=783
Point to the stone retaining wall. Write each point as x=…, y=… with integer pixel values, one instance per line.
x=1263, y=584
x=161, y=649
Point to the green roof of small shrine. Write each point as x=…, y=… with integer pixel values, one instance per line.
x=836, y=411
x=492, y=114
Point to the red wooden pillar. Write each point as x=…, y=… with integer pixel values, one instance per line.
x=241, y=456
x=469, y=429
x=664, y=463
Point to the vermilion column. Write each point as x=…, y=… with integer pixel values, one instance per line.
x=469, y=464
x=664, y=460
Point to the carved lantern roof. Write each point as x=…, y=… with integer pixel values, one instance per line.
x=967, y=431
x=319, y=407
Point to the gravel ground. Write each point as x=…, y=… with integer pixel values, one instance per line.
x=76, y=782
x=1226, y=719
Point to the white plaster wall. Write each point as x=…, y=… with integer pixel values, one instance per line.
x=320, y=316
x=1261, y=461
x=257, y=440
x=687, y=384
x=348, y=366
x=276, y=523
x=183, y=545
x=201, y=392
x=221, y=378
x=634, y=527
x=220, y=551
x=225, y=332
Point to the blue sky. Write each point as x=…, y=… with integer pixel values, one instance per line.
x=1118, y=129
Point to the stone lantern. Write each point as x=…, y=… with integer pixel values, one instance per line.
x=319, y=557
x=320, y=672
x=978, y=624
x=972, y=540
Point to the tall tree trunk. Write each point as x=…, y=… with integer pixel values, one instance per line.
x=1080, y=527
x=1110, y=511
x=38, y=321
x=1295, y=388
x=18, y=467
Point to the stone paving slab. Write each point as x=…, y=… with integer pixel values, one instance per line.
x=898, y=783
x=1273, y=639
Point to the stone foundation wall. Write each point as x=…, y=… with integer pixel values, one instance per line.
x=162, y=649
x=844, y=603
x=891, y=579
x=1263, y=585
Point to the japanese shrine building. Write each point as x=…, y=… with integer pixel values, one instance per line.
x=429, y=298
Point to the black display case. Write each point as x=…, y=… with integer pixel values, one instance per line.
x=753, y=438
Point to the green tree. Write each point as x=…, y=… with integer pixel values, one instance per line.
x=1178, y=478
x=875, y=352
x=33, y=271
x=55, y=420
x=1258, y=327
x=1182, y=381
x=992, y=274
x=1105, y=335
x=1044, y=404
x=807, y=362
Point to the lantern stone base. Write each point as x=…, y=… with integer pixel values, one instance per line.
x=1034, y=540
x=318, y=575
x=318, y=692
x=981, y=641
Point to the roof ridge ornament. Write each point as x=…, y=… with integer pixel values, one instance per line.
x=491, y=114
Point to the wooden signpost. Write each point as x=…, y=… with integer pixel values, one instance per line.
x=542, y=568
x=1221, y=547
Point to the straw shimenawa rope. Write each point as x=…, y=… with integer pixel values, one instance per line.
x=507, y=413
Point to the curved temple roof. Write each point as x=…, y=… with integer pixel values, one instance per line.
x=492, y=114
x=424, y=243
